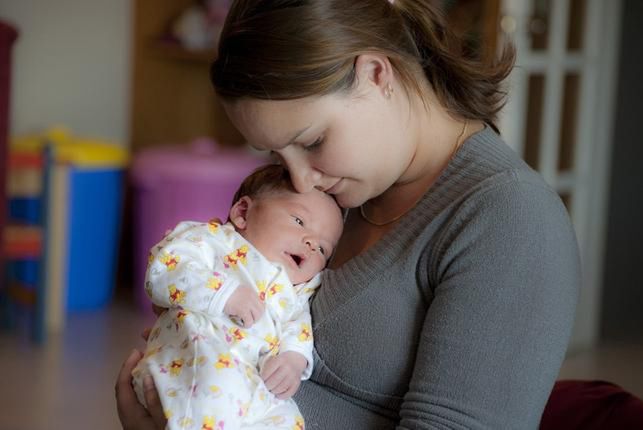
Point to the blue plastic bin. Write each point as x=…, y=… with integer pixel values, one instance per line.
x=83, y=215
x=95, y=181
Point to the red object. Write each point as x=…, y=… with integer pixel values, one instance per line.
x=21, y=242
x=591, y=405
x=25, y=160
x=8, y=35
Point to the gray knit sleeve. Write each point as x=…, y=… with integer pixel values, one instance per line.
x=505, y=277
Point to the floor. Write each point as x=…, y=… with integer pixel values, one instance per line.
x=68, y=384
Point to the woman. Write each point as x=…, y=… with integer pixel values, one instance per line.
x=450, y=299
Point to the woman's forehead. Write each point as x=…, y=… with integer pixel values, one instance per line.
x=272, y=124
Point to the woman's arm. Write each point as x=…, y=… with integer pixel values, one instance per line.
x=495, y=335
x=131, y=413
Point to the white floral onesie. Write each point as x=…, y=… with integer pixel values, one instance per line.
x=205, y=365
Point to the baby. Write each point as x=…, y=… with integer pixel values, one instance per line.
x=237, y=340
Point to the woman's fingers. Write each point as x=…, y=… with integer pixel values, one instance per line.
x=153, y=402
x=129, y=409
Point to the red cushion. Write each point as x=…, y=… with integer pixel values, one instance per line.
x=591, y=405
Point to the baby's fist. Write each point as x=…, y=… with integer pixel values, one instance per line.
x=245, y=304
x=282, y=374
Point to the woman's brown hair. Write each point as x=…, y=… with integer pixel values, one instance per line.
x=290, y=49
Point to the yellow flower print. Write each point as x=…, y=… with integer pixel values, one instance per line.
x=215, y=283
x=237, y=334
x=213, y=226
x=180, y=318
x=233, y=259
x=305, y=333
x=210, y=423
x=273, y=344
x=261, y=286
x=176, y=366
x=224, y=362
x=299, y=423
x=169, y=260
x=274, y=289
x=177, y=296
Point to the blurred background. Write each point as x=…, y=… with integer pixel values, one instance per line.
x=110, y=133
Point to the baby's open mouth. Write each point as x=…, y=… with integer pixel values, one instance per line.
x=297, y=259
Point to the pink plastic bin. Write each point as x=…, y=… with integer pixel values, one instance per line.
x=193, y=182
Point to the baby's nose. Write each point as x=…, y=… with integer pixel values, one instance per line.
x=312, y=246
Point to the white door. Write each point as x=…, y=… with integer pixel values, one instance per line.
x=559, y=118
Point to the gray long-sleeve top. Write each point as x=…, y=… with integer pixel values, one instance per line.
x=459, y=317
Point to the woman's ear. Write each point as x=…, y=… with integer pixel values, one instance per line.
x=375, y=70
x=239, y=212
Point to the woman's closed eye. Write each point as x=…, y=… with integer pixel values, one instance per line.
x=315, y=145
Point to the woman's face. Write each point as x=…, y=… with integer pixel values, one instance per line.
x=353, y=147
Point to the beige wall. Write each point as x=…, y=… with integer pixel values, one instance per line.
x=71, y=65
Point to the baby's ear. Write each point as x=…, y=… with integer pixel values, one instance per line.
x=239, y=212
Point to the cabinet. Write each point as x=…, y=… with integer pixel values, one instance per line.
x=172, y=99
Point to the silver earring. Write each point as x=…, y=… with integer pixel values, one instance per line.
x=388, y=91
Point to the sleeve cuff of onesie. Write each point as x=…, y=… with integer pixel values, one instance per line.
x=221, y=297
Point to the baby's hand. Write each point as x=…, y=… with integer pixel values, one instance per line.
x=245, y=304
x=282, y=374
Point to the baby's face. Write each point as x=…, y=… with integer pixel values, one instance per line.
x=298, y=230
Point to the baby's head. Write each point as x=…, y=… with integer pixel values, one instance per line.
x=297, y=230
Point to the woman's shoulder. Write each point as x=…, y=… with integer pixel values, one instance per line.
x=487, y=171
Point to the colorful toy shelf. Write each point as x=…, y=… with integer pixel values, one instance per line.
x=64, y=201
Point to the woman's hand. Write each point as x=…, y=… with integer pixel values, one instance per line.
x=131, y=413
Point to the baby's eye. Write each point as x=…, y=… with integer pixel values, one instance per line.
x=322, y=250
x=298, y=220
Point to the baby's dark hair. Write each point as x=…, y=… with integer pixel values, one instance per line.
x=271, y=177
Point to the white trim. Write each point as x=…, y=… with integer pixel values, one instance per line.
x=552, y=103
x=513, y=117
x=566, y=182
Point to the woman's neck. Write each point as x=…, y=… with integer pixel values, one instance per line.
x=436, y=138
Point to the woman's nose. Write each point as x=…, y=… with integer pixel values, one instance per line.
x=304, y=178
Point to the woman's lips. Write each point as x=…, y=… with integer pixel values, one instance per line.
x=334, y=188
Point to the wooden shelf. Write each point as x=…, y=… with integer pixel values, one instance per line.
x=172, y=97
